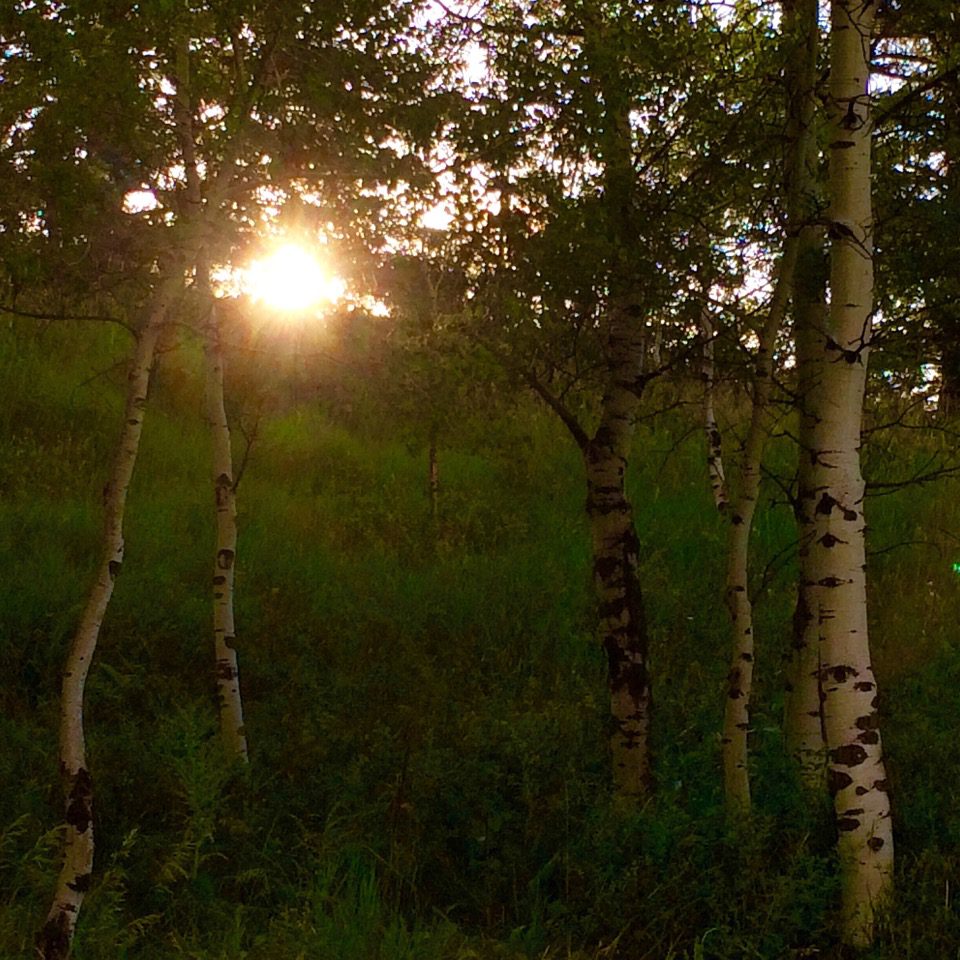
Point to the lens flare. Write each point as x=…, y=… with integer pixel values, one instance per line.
x=292, y=280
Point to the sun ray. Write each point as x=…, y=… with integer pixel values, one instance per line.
x=291, y=279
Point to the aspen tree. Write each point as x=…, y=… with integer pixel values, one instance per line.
x=718, y=481
x=229, y=700
x=616, y=547
x=227, y=676
x=73, y=880
x=856, y=774
x=736, y=718
x=801, y=29
x=803, y=728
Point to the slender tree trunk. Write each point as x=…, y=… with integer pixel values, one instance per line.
x=800, y=182
x=56, y=937
x=803, y=718
x=622, y=620
x=718, y=483
x=736, y=719
x=225, y=497
x=803, y=714
x=226, y=676
x=856, y=773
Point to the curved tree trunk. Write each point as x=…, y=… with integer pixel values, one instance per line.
x=856, y=772
x=74, y=878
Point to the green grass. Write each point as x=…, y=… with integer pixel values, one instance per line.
x=424, y=702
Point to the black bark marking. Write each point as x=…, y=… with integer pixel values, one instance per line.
x=225, y=670
x=864, y=686
x=849, y=755
x=605, y=567
x=604, y=491
x=825, y=505
x=829, y=540
x=113, y=568
x=219, y=581
x=837, y=780
x=54, y=940
x=846, y=824
x=221, y=488
x=841, y=672
x=831, y=582
x=875, y=843
x=225, y=559
x=881, y=786
x=613, y=609
x=80, y=801
x=81, y=883
x=870, y=722
x=869, y=737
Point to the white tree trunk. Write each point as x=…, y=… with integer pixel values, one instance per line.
x=73, y=881
x=856, y=774
x=736, y=718
x=718, y=482
x=616, y=548
x=225, y=497
x=227, y=676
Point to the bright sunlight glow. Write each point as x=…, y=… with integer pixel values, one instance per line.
x=291, y=279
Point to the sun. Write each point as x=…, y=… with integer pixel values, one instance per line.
x=291, y=279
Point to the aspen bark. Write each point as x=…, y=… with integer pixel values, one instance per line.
x=801, y=28
x=736, y=718
x=73, y=881
x=856, y=773
x=718, y=482
x=803, y=719
x=227, y=674
x=622, y=619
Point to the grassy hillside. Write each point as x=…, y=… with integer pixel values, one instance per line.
x=424, y=703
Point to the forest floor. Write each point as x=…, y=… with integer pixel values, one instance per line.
x=424, y=703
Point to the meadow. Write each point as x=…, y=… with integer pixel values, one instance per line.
x=424, y=701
